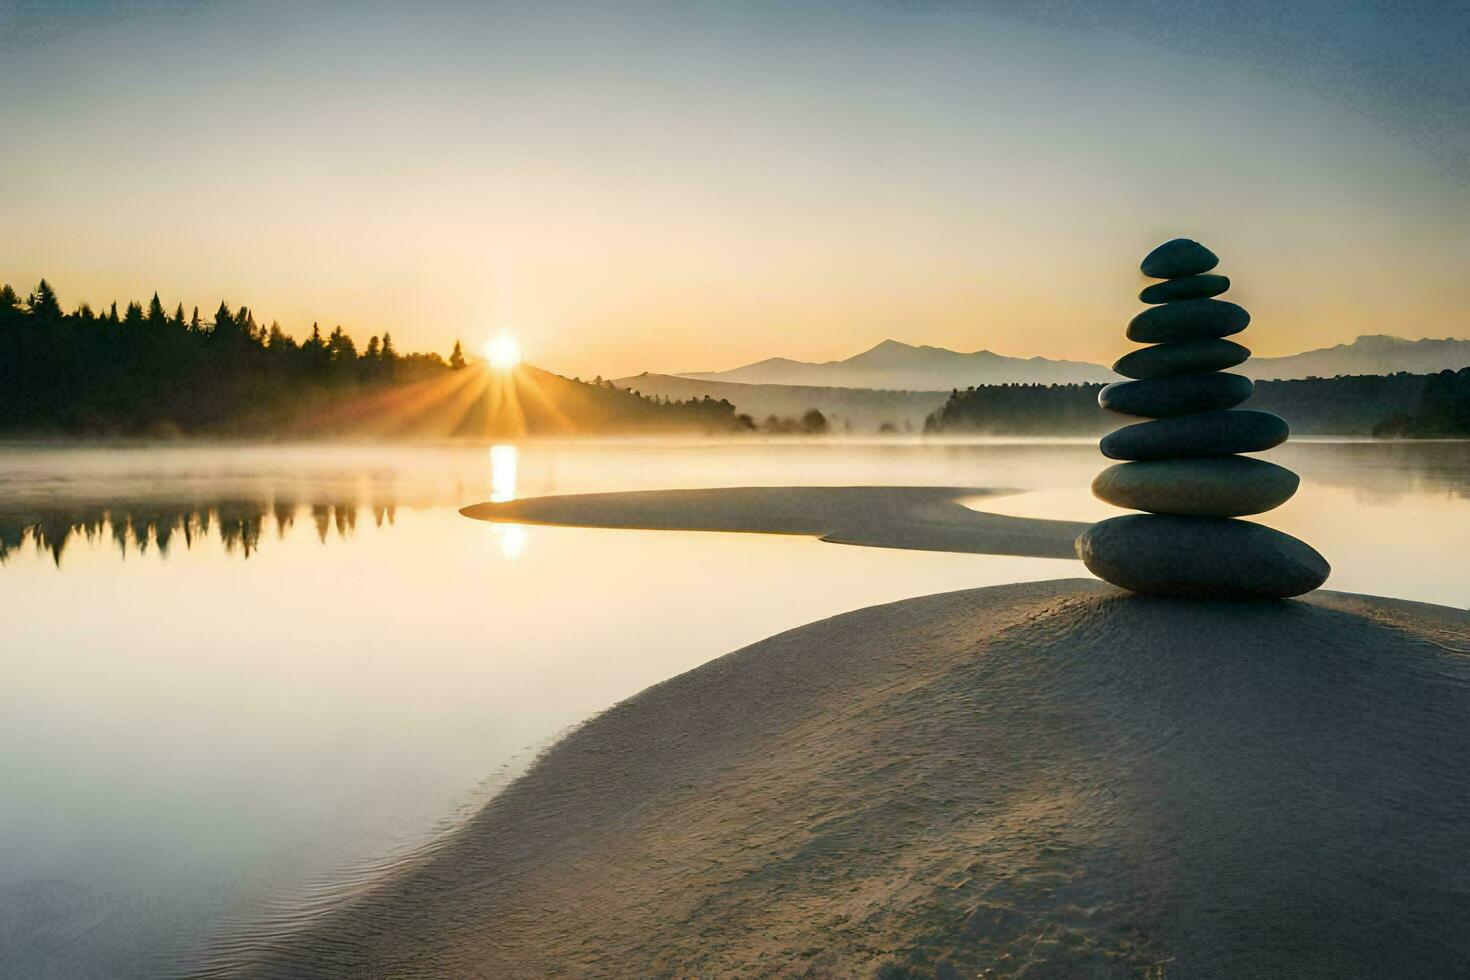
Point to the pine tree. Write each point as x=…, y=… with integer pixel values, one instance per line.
x=224, y=322
x=389, y=354
x=178, y=318
x=245, y=320
x=277, y=339
x=194, y=325
x=156, y=316
x=456, y=357
x=341, y=346
x=43, y=302
x=314, y=351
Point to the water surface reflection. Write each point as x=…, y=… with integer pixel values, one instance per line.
x=209, y=739
x=158, y=517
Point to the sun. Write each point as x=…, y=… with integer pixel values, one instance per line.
x=503, y=352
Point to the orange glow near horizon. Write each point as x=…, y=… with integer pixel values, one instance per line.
x=478, y=402
x=978, y=192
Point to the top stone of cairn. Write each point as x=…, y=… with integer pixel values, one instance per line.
x=1178, y=258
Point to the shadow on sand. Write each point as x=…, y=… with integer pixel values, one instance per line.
x=1049, y=779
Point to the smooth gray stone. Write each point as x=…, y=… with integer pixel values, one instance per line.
x=1178, y=258
x=1177, y=394
x=1218, y=486
x=1215, y=557
x=1190, y=287
x=1201, y=434
x=1181, y=357
x=1188, y=319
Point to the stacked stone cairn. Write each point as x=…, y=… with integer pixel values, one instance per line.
x=1185, y=468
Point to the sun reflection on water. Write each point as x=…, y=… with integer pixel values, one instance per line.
x=512, y=540
x=510, y=537
x=502, y=473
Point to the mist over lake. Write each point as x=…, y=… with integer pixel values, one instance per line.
x=242, y=697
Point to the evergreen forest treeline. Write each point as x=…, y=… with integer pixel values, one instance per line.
x=1400, y=405
x=148, y=372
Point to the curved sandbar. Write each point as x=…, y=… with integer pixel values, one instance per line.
x=1054, y=779
x=919, y=518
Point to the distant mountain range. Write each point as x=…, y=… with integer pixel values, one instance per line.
x=1373, y=354
x=903, y=367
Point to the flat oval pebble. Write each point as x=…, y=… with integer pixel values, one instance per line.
x=1178, y=258
x=1177, y=394
x=1188, y=319
x=1181, y=357
x=1201, y=434
x=1219, y=486
x=1215, y=557
x=1190, y=287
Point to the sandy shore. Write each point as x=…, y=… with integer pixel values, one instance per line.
x=1049, y=780
x=919, y=518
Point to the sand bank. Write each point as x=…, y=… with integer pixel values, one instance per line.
x=1050, y=779
x=920, y=518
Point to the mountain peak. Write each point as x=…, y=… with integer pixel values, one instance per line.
x=888, y=347
x=1378, y=340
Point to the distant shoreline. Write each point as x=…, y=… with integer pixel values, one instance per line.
x=683, y=438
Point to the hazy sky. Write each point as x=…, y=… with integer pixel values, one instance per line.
x=691, y=186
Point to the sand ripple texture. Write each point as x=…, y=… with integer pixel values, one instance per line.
x=1045, y=780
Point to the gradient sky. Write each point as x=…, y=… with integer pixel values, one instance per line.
x=692, y=186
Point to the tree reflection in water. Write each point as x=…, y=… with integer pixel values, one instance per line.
x=236, y=525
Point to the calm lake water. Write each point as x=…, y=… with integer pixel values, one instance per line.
x=240, y=683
